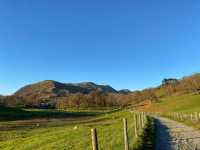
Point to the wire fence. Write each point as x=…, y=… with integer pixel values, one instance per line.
x=140, y=120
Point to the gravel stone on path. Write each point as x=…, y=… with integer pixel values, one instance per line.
x=172, y=135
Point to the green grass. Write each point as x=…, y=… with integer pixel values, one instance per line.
x=66, y=137
x=184, y=103
x=147, y=139
x=9, y=113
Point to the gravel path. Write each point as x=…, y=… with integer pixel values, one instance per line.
x=171, y=135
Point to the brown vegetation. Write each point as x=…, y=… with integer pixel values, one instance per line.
x=53, y=94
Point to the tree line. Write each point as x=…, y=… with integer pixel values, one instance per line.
x=78, y=100
x=169, y=87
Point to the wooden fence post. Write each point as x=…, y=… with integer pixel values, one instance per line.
x=141, y=125
x=196, y=116
x=94, y=139
x=142, y=119
x=181, y=117
x=138, y=122
x=145, y=118
x=191, y=117
x=135, y=125
x=199, y=116
x=126, y=146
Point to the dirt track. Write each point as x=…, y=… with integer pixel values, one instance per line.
x=171, y=135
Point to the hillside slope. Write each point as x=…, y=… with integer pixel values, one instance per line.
x=184, y=103
x=50, y=91
x=50, y=86
x=70, y=135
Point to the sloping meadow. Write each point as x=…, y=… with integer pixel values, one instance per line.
x=75, y=135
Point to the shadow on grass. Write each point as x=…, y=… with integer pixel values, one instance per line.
x=13, y=114
x=147, y=140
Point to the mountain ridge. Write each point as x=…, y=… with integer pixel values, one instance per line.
x=56, y=88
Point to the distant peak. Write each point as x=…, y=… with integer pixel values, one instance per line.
x=46, y=81
x=87, y=83
x=124, y=91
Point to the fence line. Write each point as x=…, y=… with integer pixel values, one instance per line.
x=139, y=125
x=194, y=117
x=185, y=143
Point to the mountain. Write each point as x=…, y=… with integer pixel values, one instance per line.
x=49, y=89
x=90, y=86
x=124, y=91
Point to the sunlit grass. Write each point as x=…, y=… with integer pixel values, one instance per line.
x=184, y=103
x=76, y=136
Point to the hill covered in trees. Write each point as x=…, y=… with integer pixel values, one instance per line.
x=88, y=94
x=185, y=85
x=57, y=88
x=52, y=94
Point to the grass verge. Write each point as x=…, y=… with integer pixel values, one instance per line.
x=147, y=140
x=71, y=136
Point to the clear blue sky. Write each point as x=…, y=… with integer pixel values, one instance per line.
x=125, y=43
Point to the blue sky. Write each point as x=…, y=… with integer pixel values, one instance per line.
x=125, y=43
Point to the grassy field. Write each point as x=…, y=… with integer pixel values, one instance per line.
x=184, y=103
x=11, y=114
x=65, y=134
